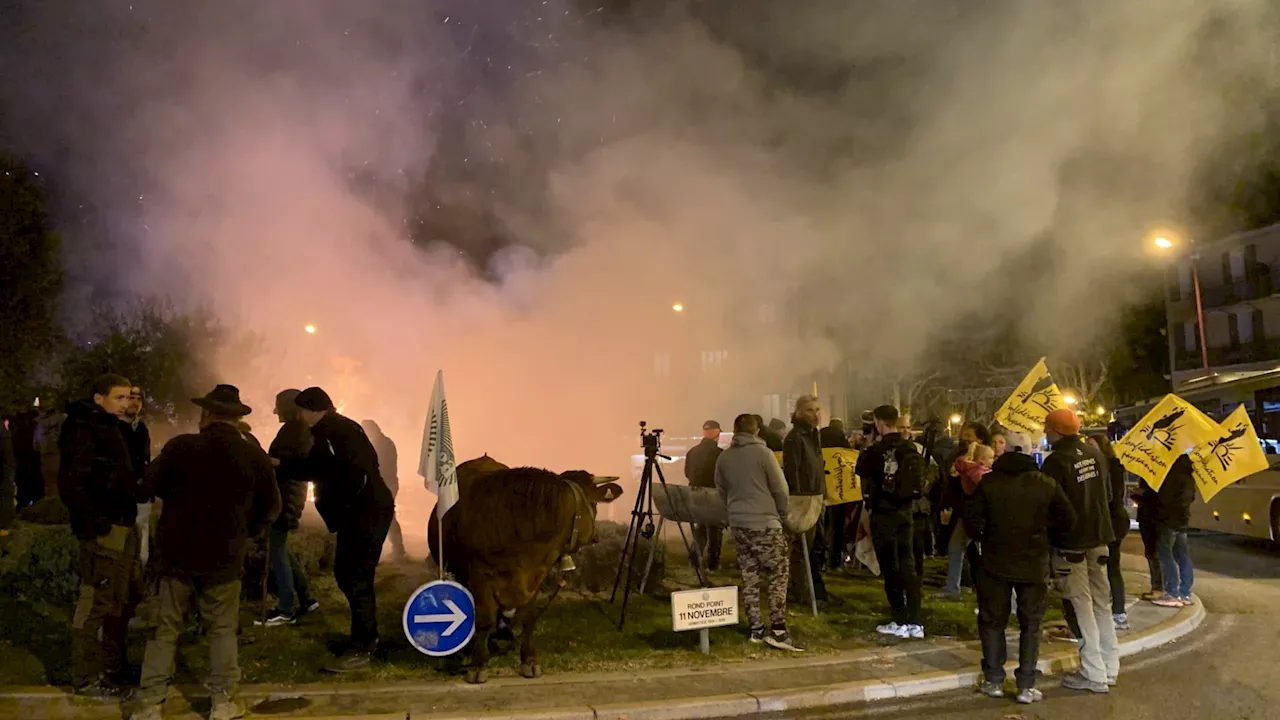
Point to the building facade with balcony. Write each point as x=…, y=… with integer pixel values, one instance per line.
x=1240, y=297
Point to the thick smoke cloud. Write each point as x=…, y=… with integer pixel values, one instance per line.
x=794, y=173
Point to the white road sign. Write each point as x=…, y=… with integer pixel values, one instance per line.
x=704, y=608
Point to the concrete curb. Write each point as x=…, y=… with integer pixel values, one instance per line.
x=1058, y=662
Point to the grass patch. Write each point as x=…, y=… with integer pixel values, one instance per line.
x=577, y=633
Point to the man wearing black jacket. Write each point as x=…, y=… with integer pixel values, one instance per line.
x=215, y=490
x=1079, y=559
x=354, y=503
x=700, y=471
x=1174, y=515
x=879, y=467
x=99, y=485
x=806, y=474
x=1012, y=513
x=288, y=454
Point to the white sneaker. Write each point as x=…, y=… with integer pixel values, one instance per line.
x=915, y=632
x=892, y=628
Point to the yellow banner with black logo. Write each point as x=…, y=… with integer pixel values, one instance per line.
x=1034, y=398
x=843, y=486
x=1232, y=453
x=1171, y=428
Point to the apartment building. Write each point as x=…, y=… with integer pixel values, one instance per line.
x=1239, y=279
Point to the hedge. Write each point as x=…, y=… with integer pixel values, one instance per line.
x=39, y=561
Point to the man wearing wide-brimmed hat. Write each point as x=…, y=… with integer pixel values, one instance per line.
x=215, y=490
x=356, y=504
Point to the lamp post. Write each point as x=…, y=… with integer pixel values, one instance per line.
x=1164, y=242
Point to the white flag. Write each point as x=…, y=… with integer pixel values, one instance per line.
x=436, y=464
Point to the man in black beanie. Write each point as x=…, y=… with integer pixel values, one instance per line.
x=356, y=504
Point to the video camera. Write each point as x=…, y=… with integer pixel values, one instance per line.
x=650, y=440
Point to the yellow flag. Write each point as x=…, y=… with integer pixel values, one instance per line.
x=1229, y=455
x=1171, y=428
x=1034, y=398
x=842, y=485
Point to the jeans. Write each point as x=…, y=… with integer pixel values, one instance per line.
x=1175, y=562
x=1115, y=578
x=707, y=540
x=354, y=562
x=891, y=535
x=110, y=588
x=1081, y=579
x=1150, y=533
x=959, y=549
x=292, y=587
x=994, y=608
x=219, y=606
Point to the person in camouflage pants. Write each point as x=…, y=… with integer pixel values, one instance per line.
x=763, y=551
x=754, y=491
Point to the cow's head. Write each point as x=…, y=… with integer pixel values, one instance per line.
x=596, y=489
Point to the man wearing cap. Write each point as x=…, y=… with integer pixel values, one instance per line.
x=214, y=491
x=356, y=504
x=1079, y=558
x=700, y=471
x=288, y=453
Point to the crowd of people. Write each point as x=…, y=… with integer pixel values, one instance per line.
x=210, y=494
x=984, y=502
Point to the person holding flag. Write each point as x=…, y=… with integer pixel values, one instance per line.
x=354, y=503
x=1176, y=493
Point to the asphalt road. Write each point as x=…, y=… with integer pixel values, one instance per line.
x=1229, y=668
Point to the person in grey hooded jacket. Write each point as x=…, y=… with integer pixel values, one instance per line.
x=754, y=490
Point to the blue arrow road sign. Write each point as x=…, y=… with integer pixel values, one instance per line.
x=439, y=618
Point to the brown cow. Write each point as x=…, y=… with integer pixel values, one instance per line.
x=502, y=538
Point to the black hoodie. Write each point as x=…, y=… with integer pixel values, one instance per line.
x=1081, y=471
x=96, y=477
x=1013, y=513
x=1176, y=495
x=870, y=470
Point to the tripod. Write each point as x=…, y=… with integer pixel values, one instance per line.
x=642, y=519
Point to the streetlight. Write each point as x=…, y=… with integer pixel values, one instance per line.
x=311, y=329
x=1069, y=399
x=1165, y=241
x=1100, y=410
x=678, y=307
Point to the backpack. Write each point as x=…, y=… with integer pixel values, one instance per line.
x=904, y=471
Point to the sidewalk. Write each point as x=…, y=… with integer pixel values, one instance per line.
x=731, y=689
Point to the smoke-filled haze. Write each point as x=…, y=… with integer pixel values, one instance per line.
x=781, y=169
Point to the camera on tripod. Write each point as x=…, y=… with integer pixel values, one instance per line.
x=651, y=440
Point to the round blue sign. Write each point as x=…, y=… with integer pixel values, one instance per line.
x=439, y=618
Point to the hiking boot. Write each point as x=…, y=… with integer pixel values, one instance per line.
x=991, y=689
x=1152, y=595
x=781, y=640
x=1076, y=681
x=277, y=619
x=1121, y=620
x=349, y=662
x=892, y=628
x=757, y=635
x=226, y=707
x=98, y=690
x=1028, y=696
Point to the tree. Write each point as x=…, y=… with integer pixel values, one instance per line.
x=31, y=281
x=169, y=354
